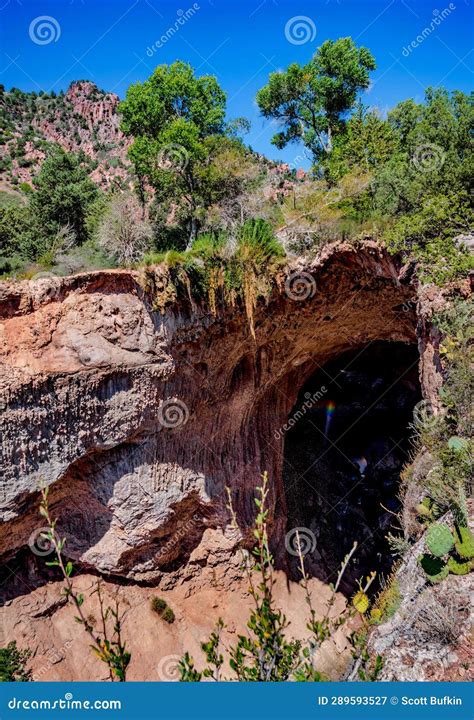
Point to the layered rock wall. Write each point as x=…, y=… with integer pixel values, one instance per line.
x=138, y=420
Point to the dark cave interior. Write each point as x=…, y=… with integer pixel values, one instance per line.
x=343, y=457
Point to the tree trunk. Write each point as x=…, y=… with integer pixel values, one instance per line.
x=193, y=228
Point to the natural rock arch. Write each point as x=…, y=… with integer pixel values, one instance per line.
x=86, y=369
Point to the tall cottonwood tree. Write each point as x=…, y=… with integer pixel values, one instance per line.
x=180, y=140
x=311, y=100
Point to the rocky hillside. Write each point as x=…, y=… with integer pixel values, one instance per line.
x=82, y=119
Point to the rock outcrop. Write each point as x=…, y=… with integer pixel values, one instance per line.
x=84, y=119
x=137, y=420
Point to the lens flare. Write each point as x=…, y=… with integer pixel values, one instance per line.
x=330, y=408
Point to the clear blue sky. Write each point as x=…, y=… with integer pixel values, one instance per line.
x=239, y=41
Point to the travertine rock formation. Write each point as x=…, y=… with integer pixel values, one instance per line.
x=137, y=420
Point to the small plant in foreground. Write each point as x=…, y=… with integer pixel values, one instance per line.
x=162, y=608
x=13, y=664
x=266, y=653
x=108, y=646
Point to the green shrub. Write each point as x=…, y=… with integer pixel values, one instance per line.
x=162, y=608
x=13, y=664
x=168, y=615
x=158, y=604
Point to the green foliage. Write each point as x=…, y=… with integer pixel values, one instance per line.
x=434, y=568
x=265, y=653
x=387, y=601
x=19, y=234
x=187, y=671
x=180, y=146
x=464, y=542
x=162, y=608
x=427, y=235
x=457, y=567
x=312, y=100
x=158, y=605
x=210, y=269
x=13, y=664
x=367, y=143
x=447, y=437
x=106, y=643
x=368, y=667
x=170, y=94
x=439, y=539
x=257, y=243
x=63, y=194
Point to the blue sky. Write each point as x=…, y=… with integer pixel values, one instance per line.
x=239, y=41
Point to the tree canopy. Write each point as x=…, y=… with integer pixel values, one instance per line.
x=311, y=100
x=182, y=147
x=63, y=193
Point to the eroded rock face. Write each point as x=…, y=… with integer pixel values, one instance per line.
x=137, y=420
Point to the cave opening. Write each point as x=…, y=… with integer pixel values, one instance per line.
x=343, y=457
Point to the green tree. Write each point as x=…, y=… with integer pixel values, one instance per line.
x=177, y=121
x=18, y=234
x=311, y=100
x=63, y=194
x=367, y=143
x=182, y=148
